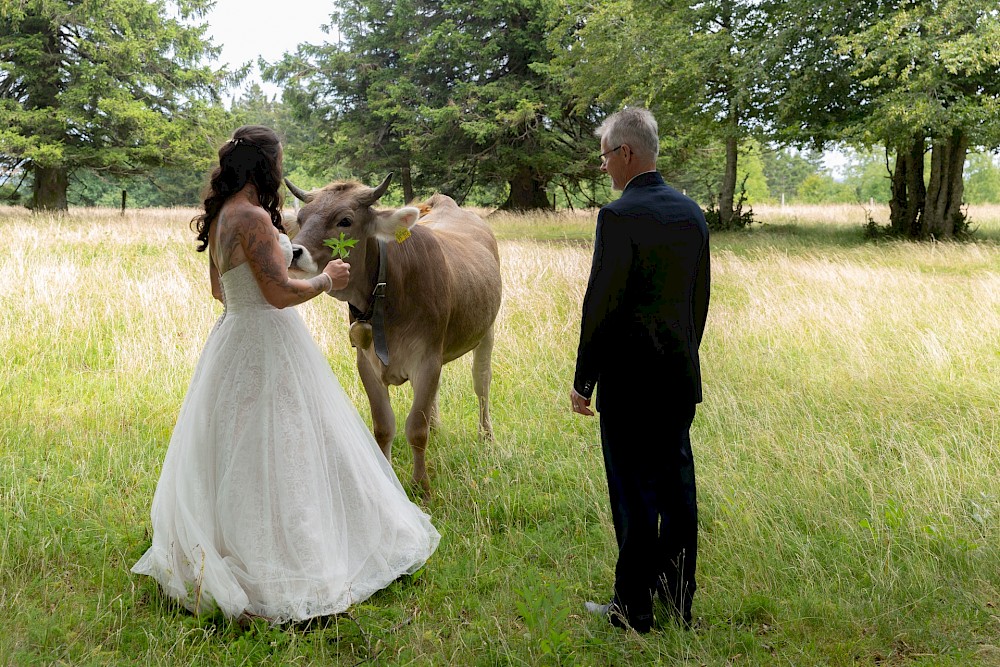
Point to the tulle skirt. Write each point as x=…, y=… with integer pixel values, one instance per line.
x=274, y=498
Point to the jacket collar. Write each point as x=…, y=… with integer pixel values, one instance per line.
x=644, y=179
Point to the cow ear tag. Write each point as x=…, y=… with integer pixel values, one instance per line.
x=402, y=234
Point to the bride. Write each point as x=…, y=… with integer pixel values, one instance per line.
x=274, y=499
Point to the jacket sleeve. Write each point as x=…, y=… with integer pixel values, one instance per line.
x=603, y=299
x=702, y=290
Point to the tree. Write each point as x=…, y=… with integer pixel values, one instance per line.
x=112, y=86
x=935, y=71
x=907, y=74
x=982, y=184
x=750, y=178
x=306, y=159
x=868, y=173
x=786, y=169
x=454, y=97
x=693, y=64
x=824, y=189
x=175, y=186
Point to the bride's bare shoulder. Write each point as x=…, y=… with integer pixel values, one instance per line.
x=238, y=214
x=239, y=226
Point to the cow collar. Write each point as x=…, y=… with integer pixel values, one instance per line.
x=375, y=314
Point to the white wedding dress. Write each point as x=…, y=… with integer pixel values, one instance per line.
x=274, y=498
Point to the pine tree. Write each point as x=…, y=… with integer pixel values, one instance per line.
x=111, y=85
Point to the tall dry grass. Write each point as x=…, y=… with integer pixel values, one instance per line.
x=847, y=457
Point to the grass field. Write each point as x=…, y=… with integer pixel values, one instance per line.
x=848, y=455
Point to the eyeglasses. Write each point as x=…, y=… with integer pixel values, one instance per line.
x=605, y=154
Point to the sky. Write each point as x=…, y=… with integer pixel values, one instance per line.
x=248, y=29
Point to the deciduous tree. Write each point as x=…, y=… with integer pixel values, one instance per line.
x=934, y=68
x=913, y=75
x=696, y=65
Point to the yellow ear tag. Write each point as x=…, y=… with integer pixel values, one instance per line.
x=402, y=234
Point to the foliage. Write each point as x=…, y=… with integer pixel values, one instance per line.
x=691, y=64
x=982, y=179
x=545, y=612
x=868, y=173
x=814, y=94
x=785, y=169
x=340, y=247
x=824, y=189
x=456, y=101
x=897, y=73
x=926, y=69
x=308, y=162
x=750, y=174
x=114, y=86
x=740, y=220
x=159, y=187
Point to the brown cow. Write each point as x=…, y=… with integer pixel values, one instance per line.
x=442, y=296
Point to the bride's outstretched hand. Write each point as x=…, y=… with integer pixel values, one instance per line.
x=339, y=272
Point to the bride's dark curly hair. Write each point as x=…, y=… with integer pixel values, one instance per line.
x=252, y=156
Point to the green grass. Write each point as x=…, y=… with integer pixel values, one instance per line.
x=847, y=453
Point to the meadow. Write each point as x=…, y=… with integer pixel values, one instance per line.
x=848, y=456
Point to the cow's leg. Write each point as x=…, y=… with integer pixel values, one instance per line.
x=482, y=375
x=425, y=387
x=435, y=413
x=383, y=421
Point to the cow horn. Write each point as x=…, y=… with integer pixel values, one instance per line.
x=377, y=193
x=298, y=192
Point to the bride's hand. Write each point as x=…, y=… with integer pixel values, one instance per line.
x=339, y=272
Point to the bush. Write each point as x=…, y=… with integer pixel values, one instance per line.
x=741, y=219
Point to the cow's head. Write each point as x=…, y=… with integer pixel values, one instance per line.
x=344, y=207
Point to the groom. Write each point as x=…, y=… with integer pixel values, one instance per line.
x=643, y=318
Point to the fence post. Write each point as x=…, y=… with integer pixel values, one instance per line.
x=124, y=195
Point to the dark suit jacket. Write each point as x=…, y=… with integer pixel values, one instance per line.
x=647, y=300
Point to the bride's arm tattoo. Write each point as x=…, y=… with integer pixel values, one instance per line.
x=265, y=257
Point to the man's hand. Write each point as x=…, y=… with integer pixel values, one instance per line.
x=580, y=404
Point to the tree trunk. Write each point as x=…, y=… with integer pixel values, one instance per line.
x=909, y=196
x=407, y=183
x=48, y=192
x=728, y=192
x=945, y=189
x=527, y=193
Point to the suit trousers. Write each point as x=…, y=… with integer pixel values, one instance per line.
x=651, y=485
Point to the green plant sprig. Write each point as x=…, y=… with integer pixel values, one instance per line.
x=341, y=247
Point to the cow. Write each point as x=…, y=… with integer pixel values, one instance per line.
x=441, y=294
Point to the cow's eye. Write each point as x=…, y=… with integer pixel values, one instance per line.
x=345, y=222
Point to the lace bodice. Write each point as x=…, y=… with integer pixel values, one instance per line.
x=239, y=287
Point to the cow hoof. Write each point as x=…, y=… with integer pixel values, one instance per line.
x=422, y=487
x=361, y=335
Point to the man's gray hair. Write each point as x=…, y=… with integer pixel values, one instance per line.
x=634, y=126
